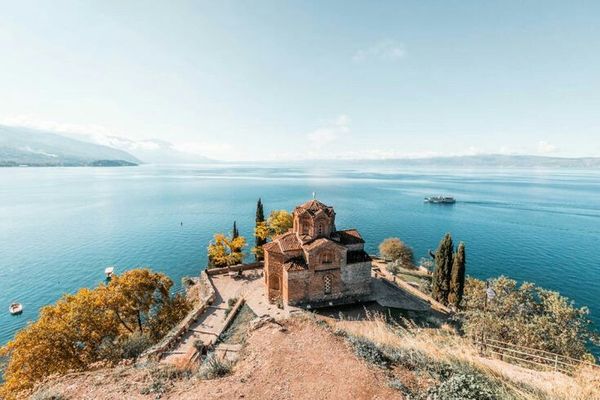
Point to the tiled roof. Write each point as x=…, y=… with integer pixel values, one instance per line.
x=289, y=242
x=313, y=207
x=318, y=242
x=283, y=243
x=272, y=246
x=348, y=236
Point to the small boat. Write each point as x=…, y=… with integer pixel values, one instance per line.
x=15, y=308
x=109, y=271
x=440, y=200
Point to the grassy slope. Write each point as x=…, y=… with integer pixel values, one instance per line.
x=333, y=359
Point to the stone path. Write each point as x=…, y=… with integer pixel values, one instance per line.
x=211, y=323
x=251, y=287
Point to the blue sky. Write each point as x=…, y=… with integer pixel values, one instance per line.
x=309, y=79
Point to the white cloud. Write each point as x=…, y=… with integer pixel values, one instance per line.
x=329, y=133
x=544, y=147
x=383, y=50
x=215, y=150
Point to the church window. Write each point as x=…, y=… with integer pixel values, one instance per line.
x=326, y=258
x=320, y=229
x=327, y=282
x=305, y=228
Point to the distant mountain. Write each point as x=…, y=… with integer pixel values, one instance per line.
x=152, y=151
x=504, y=161
x=25, y=146
x=478, y=161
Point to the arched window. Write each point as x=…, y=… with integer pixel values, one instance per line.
x=326, y=258
x=327, y=282
x=274, y=282
x=305, y=228
x=320, y=229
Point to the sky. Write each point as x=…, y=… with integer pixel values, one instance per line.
x=286, y=80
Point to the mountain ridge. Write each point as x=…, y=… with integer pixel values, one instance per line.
x=34, y=147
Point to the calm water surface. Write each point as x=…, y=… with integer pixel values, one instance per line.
x=60, y=227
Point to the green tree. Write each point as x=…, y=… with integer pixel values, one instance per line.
x=527, y=315
x=457, y=276
x=441, y=272
x=394, y=249
x=259, y=240
x=234, y=232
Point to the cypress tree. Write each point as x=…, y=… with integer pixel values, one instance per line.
x=235, y=233
x=260, y=218
x=457, y=280
x=442, y=270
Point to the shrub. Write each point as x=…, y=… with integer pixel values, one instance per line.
x=394, y=249
x=369, y=351
x=466, y=387
x=134, y=345
x=213, y=368
x=162, y=378
x=393, y=268
x=527, y=315
x=410, y=358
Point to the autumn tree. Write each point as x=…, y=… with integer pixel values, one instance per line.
x=224, y=251
x=279, y=221
x=457, y=276
x=395, y=250
x=259, y=240
x=136, y=295
x=443, y=267
x=527, y=315
x=87, y=327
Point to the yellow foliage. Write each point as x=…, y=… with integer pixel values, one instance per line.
x=280, y=221
x=90, y=326
x=223, y=251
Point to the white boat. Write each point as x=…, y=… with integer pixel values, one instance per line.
x=15, y=308
x=109, y=271
x=440, y=200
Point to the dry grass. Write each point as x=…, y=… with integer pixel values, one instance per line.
x=445, y=345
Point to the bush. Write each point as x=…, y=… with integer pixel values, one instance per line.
x=527, y=315
x=394, y=249
x=162, y=379
x=466, y=387
x=393, y=268
x=213, y=368
x=410, y=359
x=134, y=345
x=369, y=351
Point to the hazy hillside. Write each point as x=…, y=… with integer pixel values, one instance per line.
x=33, y=147
x=152, y=151
x=498, y=161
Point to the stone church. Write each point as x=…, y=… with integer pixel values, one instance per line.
x=315, y=265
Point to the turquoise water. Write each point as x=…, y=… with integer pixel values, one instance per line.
x=60, y=227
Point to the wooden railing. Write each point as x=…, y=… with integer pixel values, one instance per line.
x=532, y=358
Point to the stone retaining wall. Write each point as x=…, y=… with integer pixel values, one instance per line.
x=207, y=293
x=234, y=268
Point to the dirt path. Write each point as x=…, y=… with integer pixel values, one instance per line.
x=302, y=362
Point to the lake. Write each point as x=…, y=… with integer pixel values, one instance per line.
x=60, y=227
